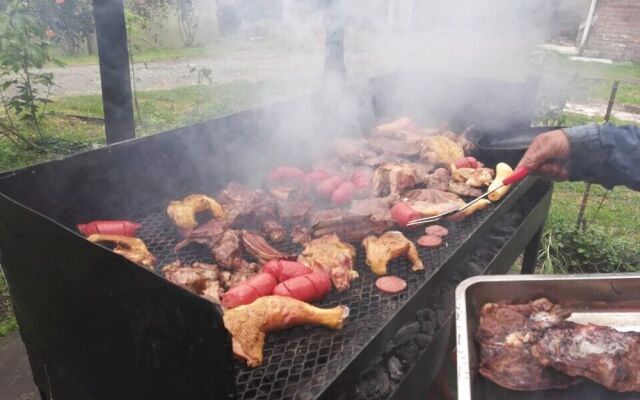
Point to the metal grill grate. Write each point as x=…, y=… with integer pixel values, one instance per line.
x=300, y=362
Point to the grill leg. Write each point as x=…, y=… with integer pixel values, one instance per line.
x=531, y=254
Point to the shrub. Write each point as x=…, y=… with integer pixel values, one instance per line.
x=566, y=250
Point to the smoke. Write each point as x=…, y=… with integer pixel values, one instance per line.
x=425, y=40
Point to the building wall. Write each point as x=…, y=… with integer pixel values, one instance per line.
x=615, y=32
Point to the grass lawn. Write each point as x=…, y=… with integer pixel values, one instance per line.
x=7, y=320
x=144, y=56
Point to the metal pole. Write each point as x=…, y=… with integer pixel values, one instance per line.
x=334, y=65
x=113, y=54
x=587, y=27
x=582, y=221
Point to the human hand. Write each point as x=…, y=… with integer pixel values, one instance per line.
x=547, y=156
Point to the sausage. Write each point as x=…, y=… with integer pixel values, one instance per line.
x=328, y=186
x=467, y=162
x=436, y=230
x=391, y=284
x=360, y=180
x=309, y=287
x=121, y=228
x=283, y=270
x=343, y=194
x=402, y=214
x=286, y=174
x=246, y=292
x=429, y=241
x=315, y=177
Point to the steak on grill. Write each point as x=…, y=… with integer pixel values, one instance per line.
x=506, y=334
x=600, y=353
x=430, y=202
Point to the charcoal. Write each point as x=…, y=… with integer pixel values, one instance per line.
x=408, y=353
x=394, y=366
x=406, y=333
x=424, y=316
x=442, y=315
x=422, y=340
x=429, y=328
x=389, y=347
x=374, y=383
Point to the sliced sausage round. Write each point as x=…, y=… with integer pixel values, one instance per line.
x=436, y=230
x=429, y=241
x=391, y=284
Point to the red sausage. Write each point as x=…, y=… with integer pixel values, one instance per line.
x=436, y=230
x=283, y=269
x=309, y=287
x=360, y=180
x=429, y=241
x=343, y=194
x=315, y=177
x=402, y=214
x=328, y=186
x=391, y=284
x=286, y=174
x=246, y=292
x=123, y=228
x=467, y=162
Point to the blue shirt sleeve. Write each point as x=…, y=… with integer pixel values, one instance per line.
x=605, y=154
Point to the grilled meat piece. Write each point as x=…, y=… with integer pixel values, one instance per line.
x=439, y=150
x=384, y=158
x=353, y=150
x=462, y=189
x=378, y=209
x=294, y=211
x=600, y=353
x=133, y=249
x=396, y=147
x=392, y=244
x=475, y=177
x=265, y=217
x=183, y=212
x=247, y=206
x=199, y=278
x=258, y=247
x=348, y=227
x=241, y=271
x=228, y=249
x=333, y=256
x=430, y=202
x=250, y=323
x=208, y=234
x=395, y=178
x=300, y=234
x=438, y=180
x=506, y=334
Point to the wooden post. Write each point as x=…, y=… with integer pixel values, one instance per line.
x=113, y=55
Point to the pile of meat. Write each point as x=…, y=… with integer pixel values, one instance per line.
x=532, y=347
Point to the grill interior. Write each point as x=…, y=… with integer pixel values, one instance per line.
x=300, y=362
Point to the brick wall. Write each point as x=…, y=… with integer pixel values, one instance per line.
x=615, y=32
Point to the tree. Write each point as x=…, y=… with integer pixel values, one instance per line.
x=154, y=13
x=187, y=13
x=70, y=20
x=24, y=49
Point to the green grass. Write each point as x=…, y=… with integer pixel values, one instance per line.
x=7, y=319
x=159, y=111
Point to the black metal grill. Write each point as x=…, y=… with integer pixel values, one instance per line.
x=300, y=362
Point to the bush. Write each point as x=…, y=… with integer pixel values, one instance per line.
x=567, y=250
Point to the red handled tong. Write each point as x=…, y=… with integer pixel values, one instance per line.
x=517, y=176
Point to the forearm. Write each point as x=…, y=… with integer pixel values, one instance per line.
x=605, y=154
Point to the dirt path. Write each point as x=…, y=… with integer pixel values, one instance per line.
x=247, y=66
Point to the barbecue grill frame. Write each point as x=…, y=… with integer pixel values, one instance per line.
x=41, y=217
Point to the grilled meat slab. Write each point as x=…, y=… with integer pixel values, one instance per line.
x=440, y=150
x=328, y=253
x=347, y=226
x=208, y=234
x=199, y=278
x=300, y=234
x=396, y=147
x=506, y=335
x=600, y=353
x=462, y=189
x=228, y=249
x=258, y=247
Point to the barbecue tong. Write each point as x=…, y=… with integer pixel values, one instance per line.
x=516, y=177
